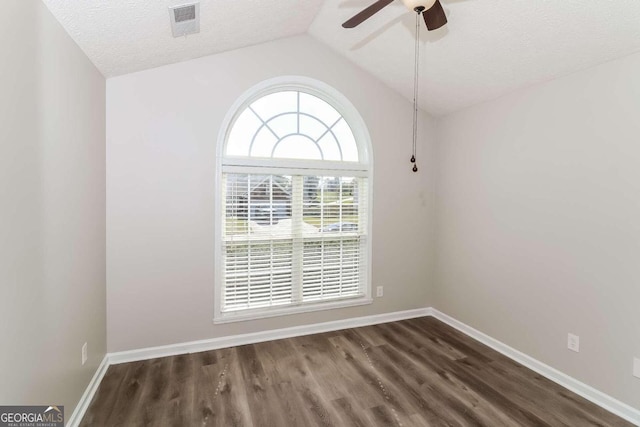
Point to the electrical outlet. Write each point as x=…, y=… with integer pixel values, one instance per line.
x=636, y=367
x=379, y=291
x=573, y=343
x=84, y=353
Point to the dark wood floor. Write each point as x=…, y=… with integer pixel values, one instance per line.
x=412, y=373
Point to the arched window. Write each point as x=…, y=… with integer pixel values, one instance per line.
x=293, y=202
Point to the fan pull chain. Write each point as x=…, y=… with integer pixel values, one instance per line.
x=416, y=73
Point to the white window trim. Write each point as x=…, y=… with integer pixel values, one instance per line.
x=362, y=168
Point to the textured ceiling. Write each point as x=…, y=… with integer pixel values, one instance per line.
x=489, y=47
x=123, y=36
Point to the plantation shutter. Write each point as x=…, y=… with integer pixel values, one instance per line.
x=292, y=239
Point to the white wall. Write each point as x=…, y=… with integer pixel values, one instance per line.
x=52, y=210
x=538, y=222
x=162, y=129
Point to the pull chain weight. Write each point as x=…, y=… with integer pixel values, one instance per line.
x=416, y=73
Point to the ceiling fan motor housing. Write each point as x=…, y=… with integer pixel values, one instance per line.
x=415, y=5
x=431, y=11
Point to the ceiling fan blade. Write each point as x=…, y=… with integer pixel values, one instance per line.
x=435, y=16
x=366, y=13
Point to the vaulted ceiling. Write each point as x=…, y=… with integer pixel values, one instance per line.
x=489, y=47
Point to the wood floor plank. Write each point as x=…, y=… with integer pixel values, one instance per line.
x=277, y=358
x=377, y=389
x=181, y=391
x=418, y=372
x=260, y=393
x=523, y=413
x=233, y=399
x=291, y=405
x=427, y=367
x=434, y=367
x=449, y=339
x=208, y=381
x=309, y=385
x=128, y=404
x=153, y=393
x=107, y=394
x=382, y=416
x=524, y=385
x=427, y=400
x=348, y=414
x=471, y=410
x=370, y=335
x=321, y=360
x=364, y=390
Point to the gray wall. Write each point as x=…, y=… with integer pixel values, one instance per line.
x=52, y=210
x=538, y=219
x=538, y=222
x=162, y=129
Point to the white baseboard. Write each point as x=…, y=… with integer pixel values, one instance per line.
x=88, y=394
x=256, y=337
x=603, y=400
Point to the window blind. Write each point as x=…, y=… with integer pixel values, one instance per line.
x=292, y=239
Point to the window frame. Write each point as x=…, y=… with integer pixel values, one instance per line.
x=233, y=164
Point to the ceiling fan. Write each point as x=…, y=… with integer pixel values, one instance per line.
x=434, y=17
x=431, y=10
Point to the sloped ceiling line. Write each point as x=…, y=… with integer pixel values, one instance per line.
x=488, y=48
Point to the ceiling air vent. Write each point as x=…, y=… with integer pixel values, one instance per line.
x=185, y=19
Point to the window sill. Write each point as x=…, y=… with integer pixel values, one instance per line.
x=242, y=316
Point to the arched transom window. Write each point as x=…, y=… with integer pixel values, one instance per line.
x=294, y=202
x=292, y=125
